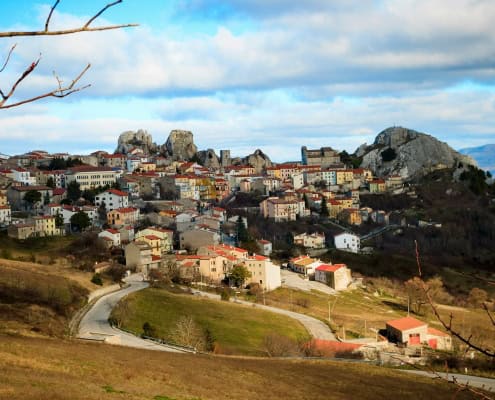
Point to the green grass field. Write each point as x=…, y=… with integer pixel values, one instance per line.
x=236, y=329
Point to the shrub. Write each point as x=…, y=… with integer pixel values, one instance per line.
x=225, y=294
x=96, y=279
x=149, y=330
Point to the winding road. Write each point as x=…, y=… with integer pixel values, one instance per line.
x=95, y=326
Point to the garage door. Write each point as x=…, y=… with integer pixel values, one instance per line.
x=414, y=339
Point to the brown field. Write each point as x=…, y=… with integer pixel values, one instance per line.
x=354, y=310
x=50, y=369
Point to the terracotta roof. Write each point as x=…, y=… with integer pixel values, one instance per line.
x=58, y=191
x=436, y=332
x=155, y=258
x=112, y=231
x=126, y=210
x=263, y=241
x=117, y=192
x=330, y=268
x=30, y=188
x=406, y=323
x=152, y=237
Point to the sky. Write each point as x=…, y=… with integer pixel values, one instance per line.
x=248, y=74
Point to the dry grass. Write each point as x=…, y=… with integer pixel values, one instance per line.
x=350, y=309
x=49, y=369
x=36, y=300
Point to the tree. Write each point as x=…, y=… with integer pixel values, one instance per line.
x=59, y=220
x=102, y=212
x=477, y=297
x=188, y=333
x=61, y=90
x=242, y=233
x=238, y=275
x=50, y=182
x=32, y=197
x=74, y=191
x=80, y=221
x=324, y=207
x=306, y=201
x=46, y=198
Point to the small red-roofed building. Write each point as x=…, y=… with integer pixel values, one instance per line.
x=123, y=216
x=438, y=340
x=407, y=331
x=265, y=246
x=377, y=186
x=111, y=237
x=112, y=199
x=337, y=276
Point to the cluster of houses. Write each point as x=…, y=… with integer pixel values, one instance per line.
x=181, y=192
x=185, y=228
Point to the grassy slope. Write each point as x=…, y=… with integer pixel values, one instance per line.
x=236, y=329
x=35, y=299
x=49, y=369
x=351, y=308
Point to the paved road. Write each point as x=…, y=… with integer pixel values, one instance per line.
x=315, y=327
x=94, y=325
x=293, y=280
x=475, y=381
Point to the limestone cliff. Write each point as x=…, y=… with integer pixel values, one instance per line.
x=140, y=139
x=180, y=145
x=209, y=159
x=258, y=160
x=409, y=153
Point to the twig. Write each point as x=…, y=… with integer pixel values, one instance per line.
x=485, y=307
x=28, y=70
x=461, y=387
x=50, y=15
x=84, y=28
x=8, y=57
x=448, y=326
x=101, y=12
x=59, y=92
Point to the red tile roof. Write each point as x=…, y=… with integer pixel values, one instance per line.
x=436, y=332
x=112, y=231
x=330, y=268
x=406, y=323
x=117, y=192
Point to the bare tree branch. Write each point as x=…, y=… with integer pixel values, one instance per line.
x=84, y=28
x=492, y=319
x=59, y=92
x=461, y=387
x=8, y=57
x=448, y=326
x=50, y=15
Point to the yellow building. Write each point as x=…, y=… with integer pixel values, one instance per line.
x=377, y=186
x=45, y=226
x=91, y=177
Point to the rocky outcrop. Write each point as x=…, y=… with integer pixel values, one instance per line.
x=180, y=145
x=409, y=154
x=209, y=159
x=140, y=139
x=258, y=160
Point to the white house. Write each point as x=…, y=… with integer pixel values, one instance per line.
x=337, y=276
x=347, y=242
x=310, y=241
x=5, y=215
x=112, y=236
x=112, y=199
x=68, y=211
x=265, y=247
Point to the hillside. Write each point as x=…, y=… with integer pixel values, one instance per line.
x=39, y=300
x=43, y=369
x=408, y=153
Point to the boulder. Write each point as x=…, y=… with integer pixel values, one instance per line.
x=409, y=154
x=140, y=139
x=180, y=145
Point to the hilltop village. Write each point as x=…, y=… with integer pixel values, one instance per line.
x=211, y=221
